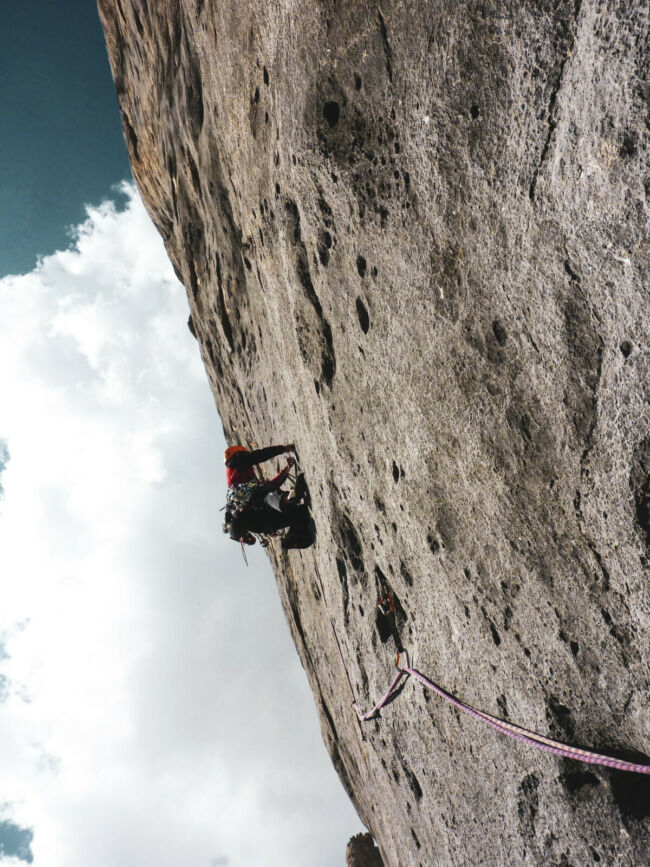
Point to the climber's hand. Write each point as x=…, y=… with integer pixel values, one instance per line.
x=289, y=447
x=290, y=463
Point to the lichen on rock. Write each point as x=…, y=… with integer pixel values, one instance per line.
x=414, y=238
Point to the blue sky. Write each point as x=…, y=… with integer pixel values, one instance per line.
x=16, y=842
x=122, y=605
x=60, y=137
x=4, y=458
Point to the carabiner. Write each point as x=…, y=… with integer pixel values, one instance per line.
x=385, y=605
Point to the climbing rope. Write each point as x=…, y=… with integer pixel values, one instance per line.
x=509, y=729
x=382, y=701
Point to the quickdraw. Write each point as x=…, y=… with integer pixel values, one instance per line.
x=386, y=621
x=386, y=605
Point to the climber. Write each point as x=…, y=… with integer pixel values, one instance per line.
x=254, y=506
x=239, y=469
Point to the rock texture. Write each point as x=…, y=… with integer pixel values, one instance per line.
x=414, y=237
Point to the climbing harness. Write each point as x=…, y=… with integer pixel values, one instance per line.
x=516, y=732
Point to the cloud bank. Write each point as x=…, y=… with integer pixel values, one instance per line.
x=154, y=709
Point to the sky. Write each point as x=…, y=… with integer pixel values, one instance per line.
x=60, y=136
x=153, y=709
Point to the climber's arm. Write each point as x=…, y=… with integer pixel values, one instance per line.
x=248, y=459
x=277, y=481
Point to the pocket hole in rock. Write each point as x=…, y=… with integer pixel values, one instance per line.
x=364, y=319
x=331, y=112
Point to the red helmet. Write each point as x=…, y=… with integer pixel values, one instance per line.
x=230, y=451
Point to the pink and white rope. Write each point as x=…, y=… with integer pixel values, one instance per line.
x=516, y=732
x=382, y=701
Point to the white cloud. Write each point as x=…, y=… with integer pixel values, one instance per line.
x=126, y=736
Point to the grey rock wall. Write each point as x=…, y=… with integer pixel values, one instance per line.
x=414, y=237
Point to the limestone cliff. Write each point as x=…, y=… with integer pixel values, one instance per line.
x=414, y=236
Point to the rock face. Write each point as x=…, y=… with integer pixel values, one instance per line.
x=414, y=240
x=362, y=852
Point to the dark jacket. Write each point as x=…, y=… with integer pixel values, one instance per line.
x=239, y=468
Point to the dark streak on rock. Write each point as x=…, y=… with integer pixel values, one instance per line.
x=131, y=137
x=222, y=309
x=640, y=487
x=552, y=120
x=328, y=359
x=528, y=805
x=387, y=49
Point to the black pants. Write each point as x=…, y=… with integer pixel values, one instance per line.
x=264, y=519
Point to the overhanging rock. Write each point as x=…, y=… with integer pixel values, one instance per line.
x=414, y=240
